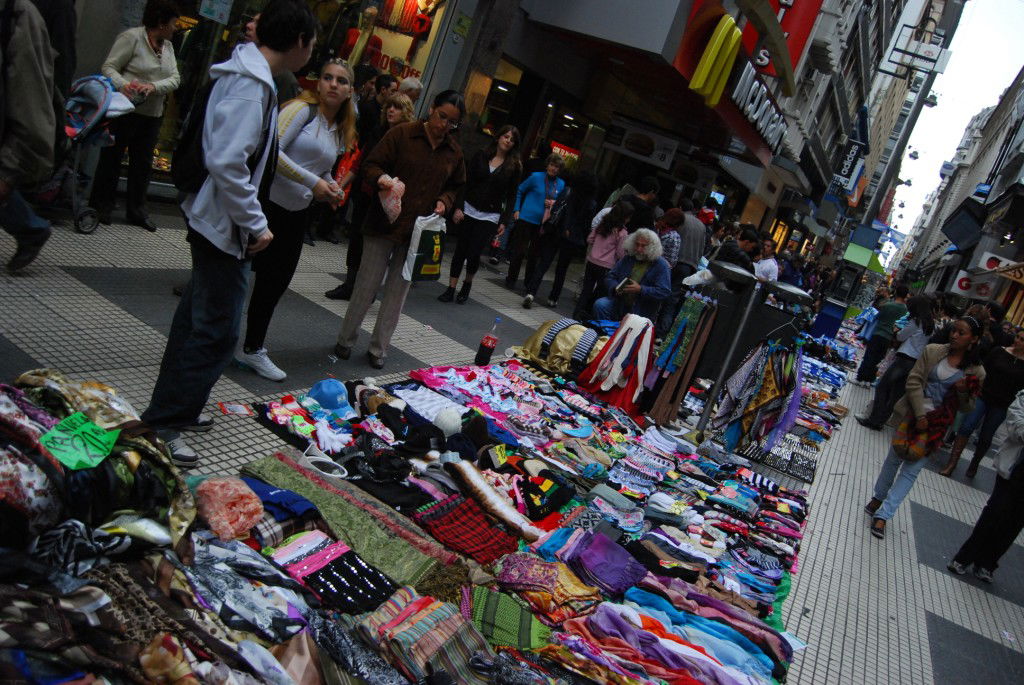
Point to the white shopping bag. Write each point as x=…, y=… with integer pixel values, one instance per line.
x=423, y=263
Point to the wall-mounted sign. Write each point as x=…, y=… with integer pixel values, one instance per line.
x=641, y=143
x=796, y=17
x=569, y=154
x=850, y=165
x=217, y=10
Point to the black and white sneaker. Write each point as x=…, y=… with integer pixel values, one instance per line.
x=527, y=301
x=201, y=424
x=956, y=567
x=983, y=574
x=182, y=455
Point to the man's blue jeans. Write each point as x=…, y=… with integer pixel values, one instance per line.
x=203, y=336
x=607, y=309
x=894, y=482
x=18, y=219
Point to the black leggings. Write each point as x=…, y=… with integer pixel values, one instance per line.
x=274, y=269
x=592, y=288
x=474, y=237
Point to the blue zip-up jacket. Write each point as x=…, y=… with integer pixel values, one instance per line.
x=531, y=195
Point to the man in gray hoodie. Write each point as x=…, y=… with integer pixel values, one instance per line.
x=226, y=224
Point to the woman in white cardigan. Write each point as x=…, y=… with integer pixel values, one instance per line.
x=141, y=64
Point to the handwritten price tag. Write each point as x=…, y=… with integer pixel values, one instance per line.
x=78, y=443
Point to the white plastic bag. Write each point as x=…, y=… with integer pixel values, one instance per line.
x=423, y=263
x=702, y=277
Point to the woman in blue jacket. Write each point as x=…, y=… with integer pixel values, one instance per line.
x=534, y=200
x=649, y=280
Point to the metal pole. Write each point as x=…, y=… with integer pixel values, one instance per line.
x=950, y=18
x=716, y=387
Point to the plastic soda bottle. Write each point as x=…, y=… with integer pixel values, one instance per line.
x=487, y=345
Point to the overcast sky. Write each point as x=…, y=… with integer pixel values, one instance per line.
x=988, y=51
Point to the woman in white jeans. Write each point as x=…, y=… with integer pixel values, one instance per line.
x=939, y=369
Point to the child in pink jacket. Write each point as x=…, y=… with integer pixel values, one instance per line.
x=607, y=234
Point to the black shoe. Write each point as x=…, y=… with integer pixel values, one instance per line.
x=308, y=240
x=342, y=292
x=342, y=352
x=867, y=424
x=202, y=424
x=447, y=296
x=375, y=361
x=27, y=251
x=334, y=236
x=103, y=216
x=143, y=222
x=493, y=261
x=463, y=293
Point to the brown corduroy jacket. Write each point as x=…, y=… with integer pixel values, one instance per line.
x=429, y=175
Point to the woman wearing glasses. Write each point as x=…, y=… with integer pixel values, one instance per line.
x=313, y=129
x=428, y=160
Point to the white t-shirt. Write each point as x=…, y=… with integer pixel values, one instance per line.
x=767, y=269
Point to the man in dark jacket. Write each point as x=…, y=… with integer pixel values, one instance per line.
x=644, y=202
x=27, y=125
x=639, y=282
x=740, y=251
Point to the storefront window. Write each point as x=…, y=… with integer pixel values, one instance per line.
x=395, y=36
x=500, y=98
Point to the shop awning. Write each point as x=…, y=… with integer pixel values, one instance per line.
x=862, y=256
x=963, y=226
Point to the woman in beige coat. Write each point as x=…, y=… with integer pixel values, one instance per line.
x=939, y=369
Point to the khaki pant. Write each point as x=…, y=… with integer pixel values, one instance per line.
x=379, y=256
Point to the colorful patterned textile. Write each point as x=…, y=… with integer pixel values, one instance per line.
x=381, y=541
x=504, y=621
x=269, y=532
x=460, y=524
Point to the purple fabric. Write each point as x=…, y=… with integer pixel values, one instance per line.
x=788, y=417
x=23, y=403
x=601, y=562
x=606, y=622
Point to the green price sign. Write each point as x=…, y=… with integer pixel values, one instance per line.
x=78, y=443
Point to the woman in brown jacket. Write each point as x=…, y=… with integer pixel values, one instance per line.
x=424, y=156
x=939, y=370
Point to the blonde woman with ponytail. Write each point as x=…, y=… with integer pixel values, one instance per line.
x=313, y=130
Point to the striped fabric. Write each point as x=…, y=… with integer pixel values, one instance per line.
x=455, y=654
x=506, y=622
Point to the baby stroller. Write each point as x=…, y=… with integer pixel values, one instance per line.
x=92, y=103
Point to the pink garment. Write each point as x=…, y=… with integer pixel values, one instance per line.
x=229, y=506
x=606, y=250
x=391, y=200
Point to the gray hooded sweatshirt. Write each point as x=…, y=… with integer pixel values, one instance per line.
x=226, y=210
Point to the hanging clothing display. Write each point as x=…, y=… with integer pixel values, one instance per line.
x=677, y=357
x=616, y=374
